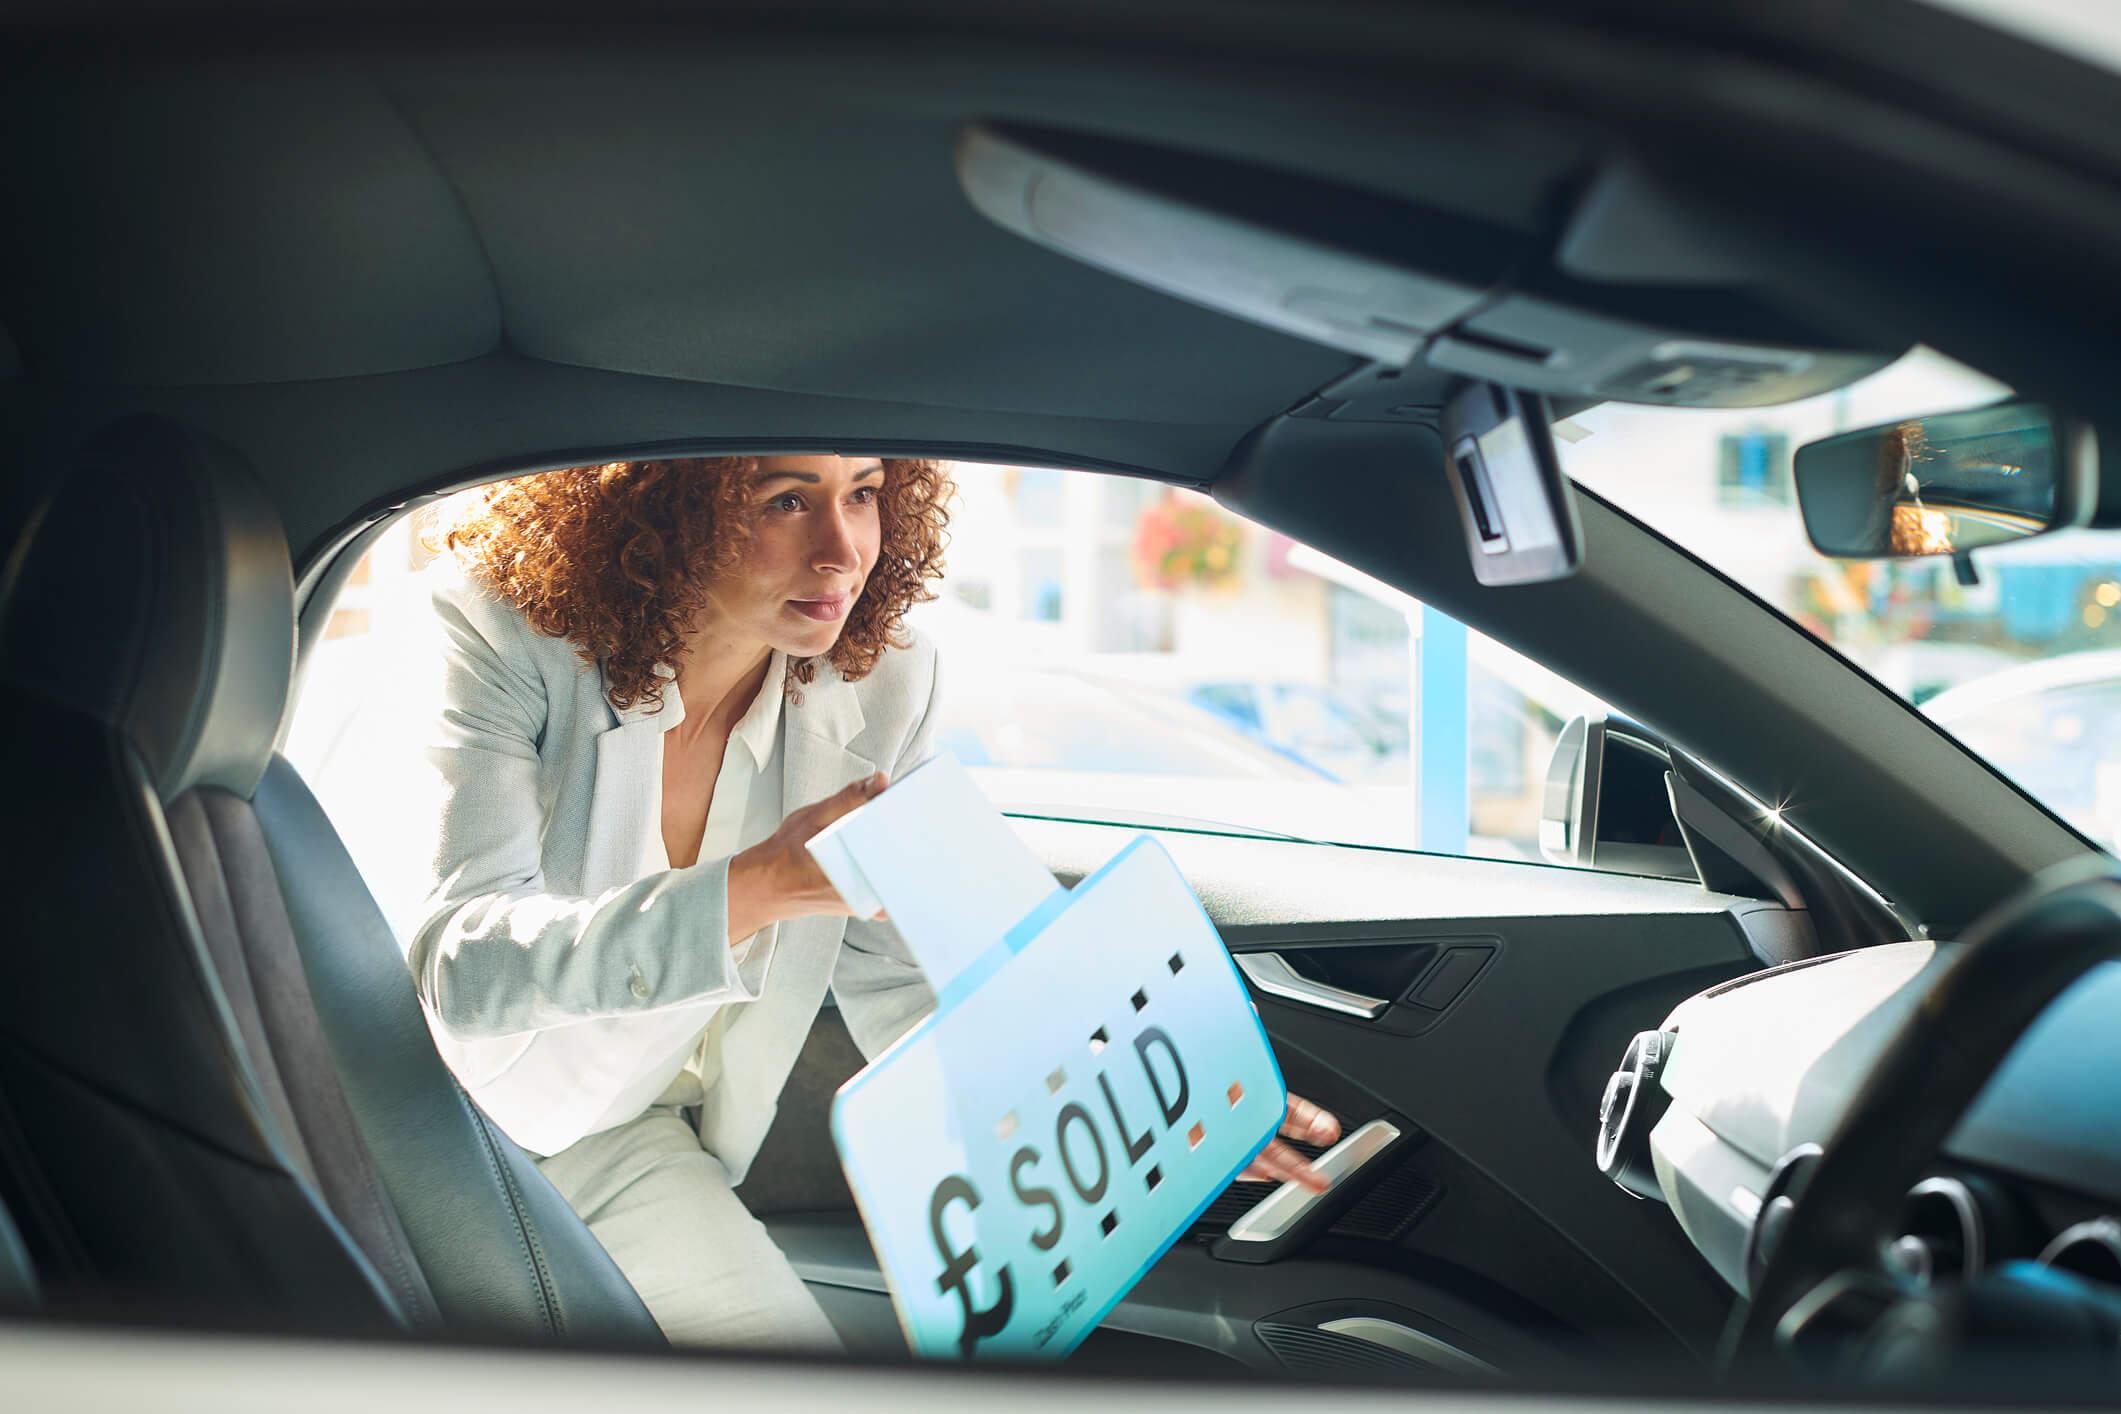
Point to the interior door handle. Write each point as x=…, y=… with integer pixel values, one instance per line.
x=1271, y=973
x=1282, y=1211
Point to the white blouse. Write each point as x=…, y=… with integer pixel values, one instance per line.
x=745, y=808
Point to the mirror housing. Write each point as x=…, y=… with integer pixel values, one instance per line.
x=1517, y=508
x=1606, y=805
x=1568, y=808
x=1948, y=484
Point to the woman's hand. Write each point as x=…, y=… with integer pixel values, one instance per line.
x=1278, y=1163
x=776, y=879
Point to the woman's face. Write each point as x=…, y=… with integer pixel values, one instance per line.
x=814, y=538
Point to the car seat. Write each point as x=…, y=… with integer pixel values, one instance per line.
x=218, y=1095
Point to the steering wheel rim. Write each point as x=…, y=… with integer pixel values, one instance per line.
x=2017, y=958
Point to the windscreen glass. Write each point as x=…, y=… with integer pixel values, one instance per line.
x=2024, y=667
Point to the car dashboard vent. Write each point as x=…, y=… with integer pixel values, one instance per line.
x=2090, y=1249
x=1308, y=1350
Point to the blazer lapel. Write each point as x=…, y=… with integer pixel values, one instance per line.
x=760, y=1046
x=626, y=801
x=815, y=763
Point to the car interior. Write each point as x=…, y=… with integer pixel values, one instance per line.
x=1827, y=1004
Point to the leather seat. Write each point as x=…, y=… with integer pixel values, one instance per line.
x=218, y=1097
x=18, y=1282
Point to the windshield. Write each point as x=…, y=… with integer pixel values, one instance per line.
x=2019, y=667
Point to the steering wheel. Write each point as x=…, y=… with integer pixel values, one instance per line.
x=1831, y=1249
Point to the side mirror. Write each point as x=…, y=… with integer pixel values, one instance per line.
x=1568, y=810
x=1606, y=805
x=1948, y=484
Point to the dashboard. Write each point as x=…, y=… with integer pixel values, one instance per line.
x=1720, y=1110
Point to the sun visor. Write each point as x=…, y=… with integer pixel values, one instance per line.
x=1300, y=284
x=1537, y=344
x=1403, y=285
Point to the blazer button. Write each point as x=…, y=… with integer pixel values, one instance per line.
x=639, y=985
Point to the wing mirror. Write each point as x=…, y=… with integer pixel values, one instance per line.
x=1605, y=805
x=1948, y=484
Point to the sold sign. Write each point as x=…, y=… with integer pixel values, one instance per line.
x=1085, y=1088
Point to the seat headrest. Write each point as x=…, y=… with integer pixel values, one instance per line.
x=153, y=591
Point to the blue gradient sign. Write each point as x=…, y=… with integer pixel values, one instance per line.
x=1086, y=1087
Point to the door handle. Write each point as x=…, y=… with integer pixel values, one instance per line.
x=1283, y=1211
x=1271, y=973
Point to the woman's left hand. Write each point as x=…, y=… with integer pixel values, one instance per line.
x=1278, y=1163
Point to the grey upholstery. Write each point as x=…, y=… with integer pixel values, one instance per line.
x=556, y=1276
x=138, y=1152
x=18, y=1280
x=244, y=919
x=208, y=958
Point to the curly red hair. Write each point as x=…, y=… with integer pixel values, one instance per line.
x=617, y=559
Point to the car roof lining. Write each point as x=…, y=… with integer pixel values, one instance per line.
x=385, y=220
x=386, y=235
x=477, y=343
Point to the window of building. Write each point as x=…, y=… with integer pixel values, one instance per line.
x=1753, y=468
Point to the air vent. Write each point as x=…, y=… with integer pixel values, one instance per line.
x=1945, y=1238
x=1389, y=1210
x=1778, y=1201
x=2091, y=1250
x=1307, y=1350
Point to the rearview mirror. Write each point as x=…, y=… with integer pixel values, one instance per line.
x=1947, y=484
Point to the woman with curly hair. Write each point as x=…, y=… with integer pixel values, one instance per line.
x=658, y=680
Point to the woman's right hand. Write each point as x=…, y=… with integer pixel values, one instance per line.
x=776, y=878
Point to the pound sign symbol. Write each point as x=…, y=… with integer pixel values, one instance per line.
x=958, y=1265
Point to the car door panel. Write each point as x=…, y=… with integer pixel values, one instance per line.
x=1507, y=992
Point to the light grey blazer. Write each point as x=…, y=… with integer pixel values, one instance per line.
x=560, y=972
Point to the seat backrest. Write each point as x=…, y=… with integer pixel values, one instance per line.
x=305, y=1164
x=552, y=1275
x=18, y=1280
x=137, y=1148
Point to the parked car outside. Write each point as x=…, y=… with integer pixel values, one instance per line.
x=2054, y=727
x=1309, y=724
x=1058, y=742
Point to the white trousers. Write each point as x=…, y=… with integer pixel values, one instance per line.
x=706, y=1269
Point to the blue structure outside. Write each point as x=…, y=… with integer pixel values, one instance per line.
x=1442, y=781
x=1753, y=463
x=2042, y=602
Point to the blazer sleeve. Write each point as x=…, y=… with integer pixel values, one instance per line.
x=497, y=953
x=881, y=991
